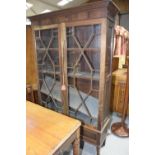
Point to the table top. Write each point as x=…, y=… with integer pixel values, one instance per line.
x=46, y=130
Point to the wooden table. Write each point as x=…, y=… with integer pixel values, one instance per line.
x=48, y=132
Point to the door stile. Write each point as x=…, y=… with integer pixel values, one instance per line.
x=102, y=72
x=63, y=66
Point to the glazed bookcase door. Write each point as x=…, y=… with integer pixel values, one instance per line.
x=83, y=66
x=47, y=53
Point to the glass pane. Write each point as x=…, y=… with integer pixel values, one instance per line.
x=39, y=43
x=54, y=43
x=40, y=55
x=46, y=36
x=54, y=55
x=36, y=33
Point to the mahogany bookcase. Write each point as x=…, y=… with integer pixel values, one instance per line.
x=74, y=61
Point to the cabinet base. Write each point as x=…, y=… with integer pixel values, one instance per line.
x=94, y=136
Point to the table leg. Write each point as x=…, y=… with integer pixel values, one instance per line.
x=76, y=143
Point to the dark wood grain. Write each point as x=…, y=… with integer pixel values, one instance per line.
x=95, y=10
x=29, y=93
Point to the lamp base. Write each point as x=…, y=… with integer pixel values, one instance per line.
x=120, y=129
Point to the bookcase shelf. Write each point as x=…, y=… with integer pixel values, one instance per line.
x=86, y=49
x=44, y=49
x=85, y=75
x=49, y=72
